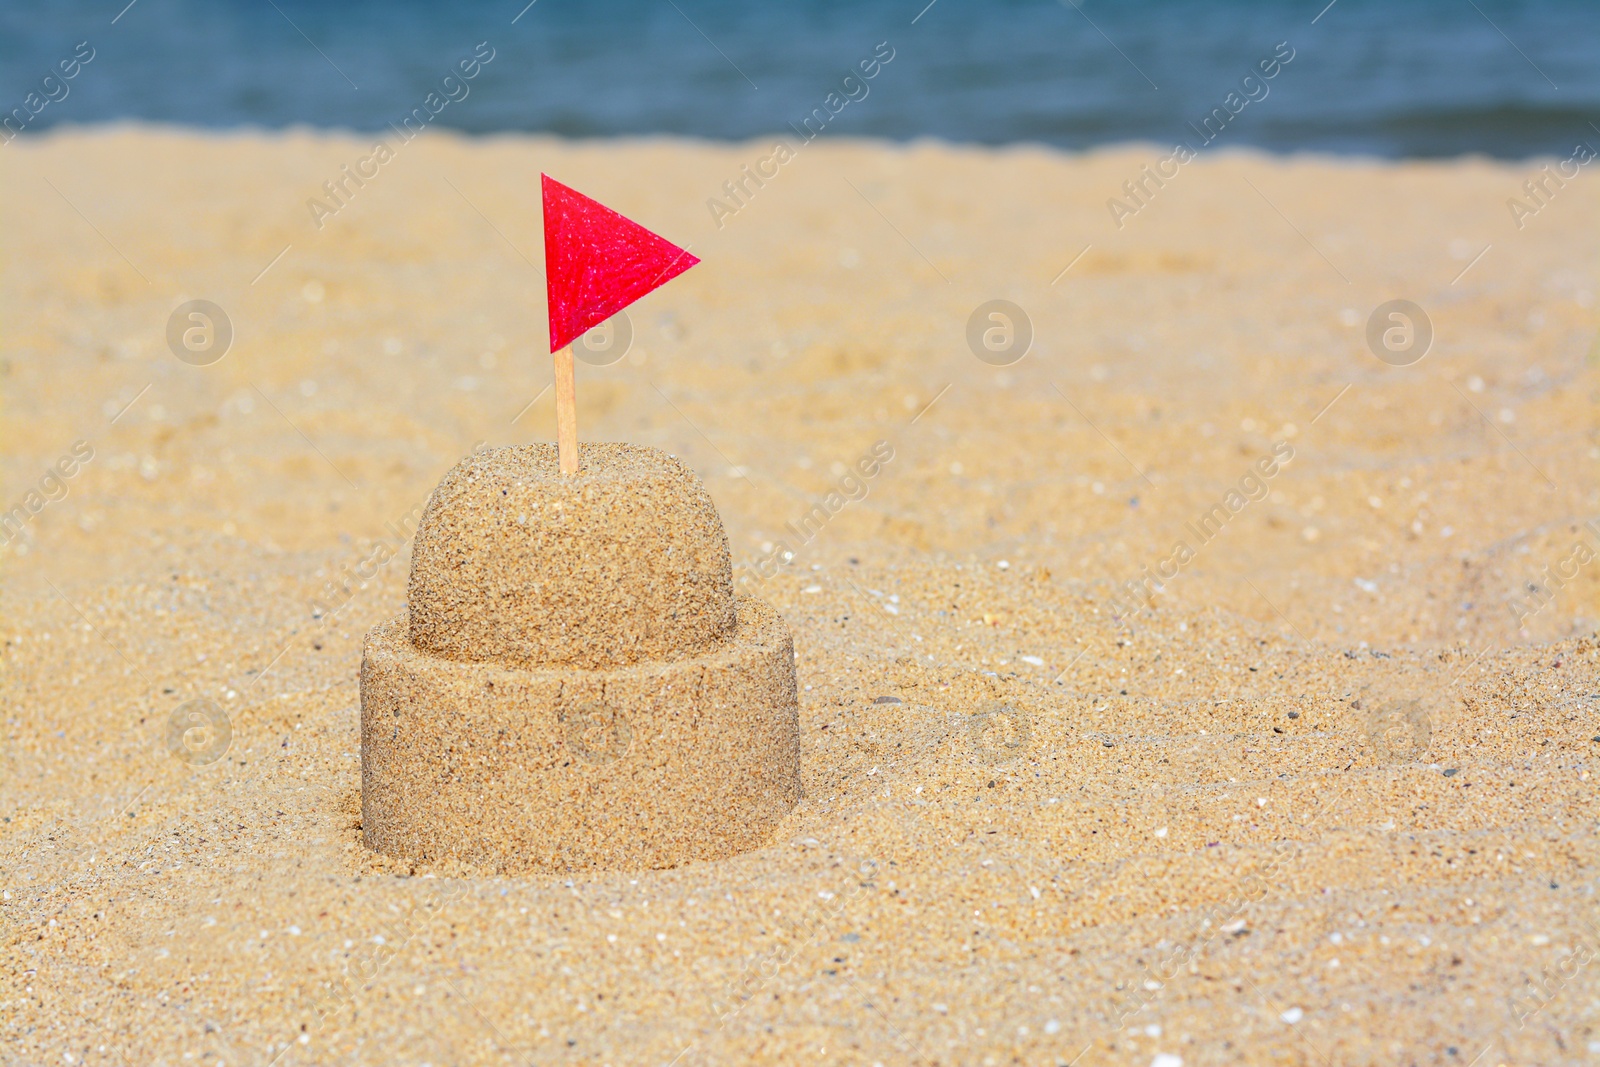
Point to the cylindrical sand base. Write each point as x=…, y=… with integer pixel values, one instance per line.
x=520, y=770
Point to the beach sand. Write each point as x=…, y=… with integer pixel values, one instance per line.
x=1324, y=799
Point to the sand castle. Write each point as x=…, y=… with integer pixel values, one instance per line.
x=574, y=683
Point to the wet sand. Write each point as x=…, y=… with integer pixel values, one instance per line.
x=1324, y=796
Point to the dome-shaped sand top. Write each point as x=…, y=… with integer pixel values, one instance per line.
x=623, y=562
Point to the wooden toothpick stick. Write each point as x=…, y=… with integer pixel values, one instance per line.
x=566, y=412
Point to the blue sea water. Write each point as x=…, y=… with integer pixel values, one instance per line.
x=1377, y=77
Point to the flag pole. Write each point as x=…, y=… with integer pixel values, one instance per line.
x=566, y=412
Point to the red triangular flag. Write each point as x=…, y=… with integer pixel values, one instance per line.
x=597, y=262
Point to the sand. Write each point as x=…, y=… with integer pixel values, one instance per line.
x=1328, y=797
